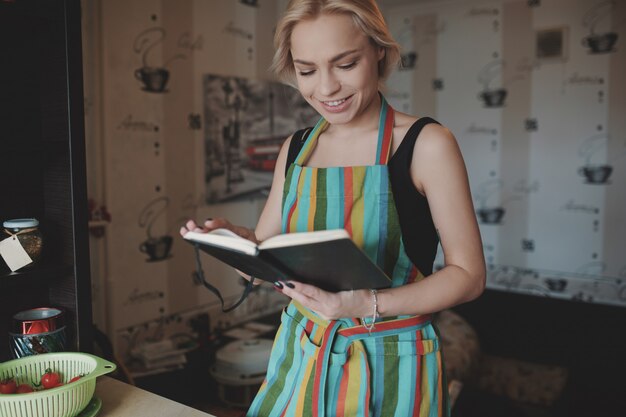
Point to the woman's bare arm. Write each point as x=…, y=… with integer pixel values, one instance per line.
x=438, y=170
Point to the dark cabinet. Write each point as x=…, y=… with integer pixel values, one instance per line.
x=42, y=161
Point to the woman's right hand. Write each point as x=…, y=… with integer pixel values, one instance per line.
x=191, y=226
x=218, y=223
x=221, y=223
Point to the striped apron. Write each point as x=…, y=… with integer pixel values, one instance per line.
x=338, y=368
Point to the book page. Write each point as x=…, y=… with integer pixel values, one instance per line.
x=303, y=238
x=224, y=238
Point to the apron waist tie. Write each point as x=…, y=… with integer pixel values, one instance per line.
x=351, y=334
x=321, y=369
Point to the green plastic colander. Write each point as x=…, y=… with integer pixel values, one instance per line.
x=64, y=401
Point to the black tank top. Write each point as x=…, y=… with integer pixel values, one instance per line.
x=416, y=223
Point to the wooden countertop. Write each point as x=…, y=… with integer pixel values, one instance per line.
x=124, y=400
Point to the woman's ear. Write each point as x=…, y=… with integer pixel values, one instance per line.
x=381, y=52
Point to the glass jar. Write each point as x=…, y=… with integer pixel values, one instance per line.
x=27, y=232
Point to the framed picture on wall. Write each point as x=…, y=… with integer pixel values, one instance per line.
x=551, y=44
x=247, y=121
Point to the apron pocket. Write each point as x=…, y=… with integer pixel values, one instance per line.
x=403, y=347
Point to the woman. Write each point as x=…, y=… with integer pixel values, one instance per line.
x=396, y=183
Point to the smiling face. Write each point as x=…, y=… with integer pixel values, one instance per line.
x=336, y=68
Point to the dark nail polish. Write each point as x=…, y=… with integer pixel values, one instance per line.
x=278, y=285
x=290, y=285
x=208, y=219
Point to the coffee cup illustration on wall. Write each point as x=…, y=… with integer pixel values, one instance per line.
x=600, y=43
x=153, y=76
x=154, y=79
x=596, y=174
x=491, y=215
x=493, y=98
x=157, y=249
x=408, y=60
x=157, y=245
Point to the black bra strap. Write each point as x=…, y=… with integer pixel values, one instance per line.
x=297, y=142
x=405, y=149
x=201, y=278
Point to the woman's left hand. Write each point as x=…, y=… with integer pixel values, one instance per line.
x=328, y=305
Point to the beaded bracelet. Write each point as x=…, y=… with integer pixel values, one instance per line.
x=375, y=315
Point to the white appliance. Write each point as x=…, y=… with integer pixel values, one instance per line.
x=240, y=368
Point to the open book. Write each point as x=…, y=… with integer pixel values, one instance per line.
x=328, y=259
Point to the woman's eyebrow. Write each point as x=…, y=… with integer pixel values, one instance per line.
x=332, y=60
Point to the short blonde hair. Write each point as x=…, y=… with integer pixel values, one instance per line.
x=365, y=14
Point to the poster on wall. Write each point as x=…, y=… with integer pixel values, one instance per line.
x=247, y=122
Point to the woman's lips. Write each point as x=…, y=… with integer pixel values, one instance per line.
x=336, y=106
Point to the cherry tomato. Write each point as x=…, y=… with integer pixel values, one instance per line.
x=50, y=379
x=8, y=386
x=76, y=378
x=24, y=388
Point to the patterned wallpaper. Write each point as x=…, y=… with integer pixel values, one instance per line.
x=534, y=92
x=147, y=80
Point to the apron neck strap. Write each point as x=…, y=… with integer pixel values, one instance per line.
x=385, y=135
x=311, y=141
x=385, y=132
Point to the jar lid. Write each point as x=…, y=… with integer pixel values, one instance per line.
x=20, y=223
x=38, y=320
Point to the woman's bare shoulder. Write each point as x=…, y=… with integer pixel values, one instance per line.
x=403, y=123
x=435, y=137
x=436, y=149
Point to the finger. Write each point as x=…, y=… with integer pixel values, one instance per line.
x=221, y=222
x=244, y=232
x=310, y=303
x=218, y=222
x=310, y=291
x=190, y=225
x=183, y=231
x=326, y=304
x=299, y=296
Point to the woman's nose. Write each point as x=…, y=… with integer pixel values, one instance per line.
x=329, y=84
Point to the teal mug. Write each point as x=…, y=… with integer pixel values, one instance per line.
x=36, y=331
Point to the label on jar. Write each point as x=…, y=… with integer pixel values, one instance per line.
x=14, y=254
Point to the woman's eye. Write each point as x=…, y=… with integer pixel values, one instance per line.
x=304, y=73
x=347, y=66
